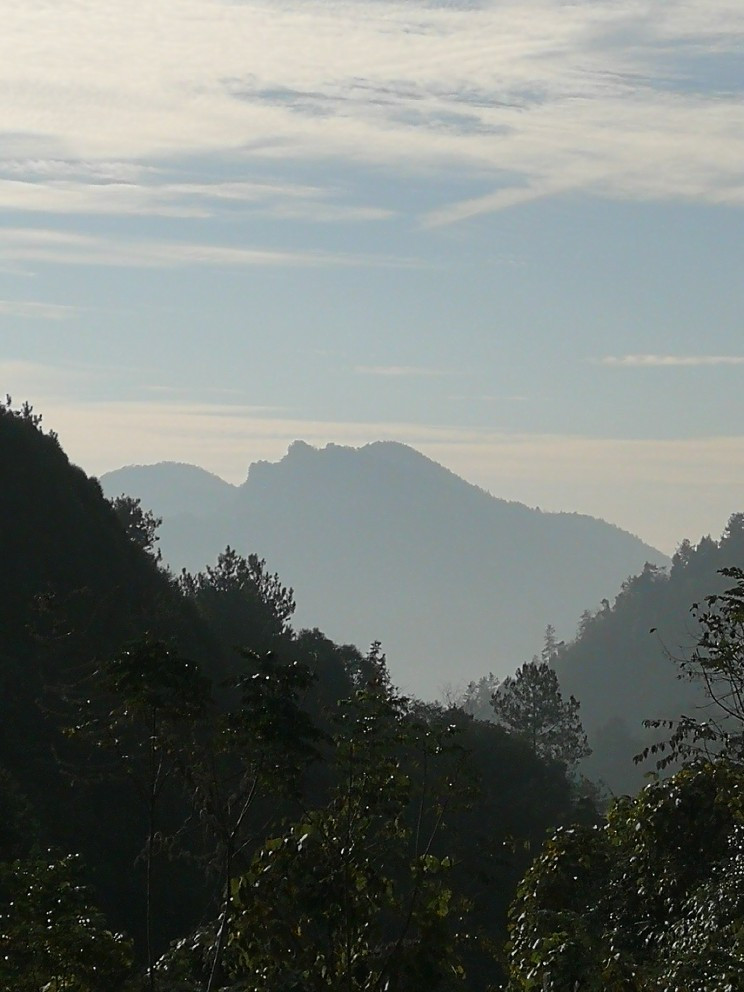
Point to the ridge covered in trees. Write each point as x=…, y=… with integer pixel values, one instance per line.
x=195, y=796
x=623, y=664
x=170, y=742
x=652, y=899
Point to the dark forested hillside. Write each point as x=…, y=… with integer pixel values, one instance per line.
x=73, y=590
x=258, y=807
x=622, y=663
x=176, y=757
x=381, y=542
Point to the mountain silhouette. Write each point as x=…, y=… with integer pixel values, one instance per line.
x=381, y=542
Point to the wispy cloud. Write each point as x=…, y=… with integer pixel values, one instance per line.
x=616, y=99
x=93, y=195
x=77, y=170
x=41, y=383
x=70, y=248
x=668, y=361
x=35, y=310
x=502, y=199
x=400, y=371
x=322, y=212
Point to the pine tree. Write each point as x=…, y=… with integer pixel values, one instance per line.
x=530, y=705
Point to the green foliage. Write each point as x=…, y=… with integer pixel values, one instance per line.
x=653, y=901
x=257, y=748
x=622, y=663
x=717, y=663
x=154, y=694
x=530, y=705
x=648, y=902
x=51, y=936
x=551, y=646
x=73, y=590
x=18, y=825
x=149, y=679
x=388, y=857
x=351, y=895
x=24, y=413
x=242, y=600
x=173, y=773
x=135, y=708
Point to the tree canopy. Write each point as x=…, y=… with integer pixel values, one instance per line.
x=530, y=705
x=653, y=898
x=140, y=525
x=192, y=739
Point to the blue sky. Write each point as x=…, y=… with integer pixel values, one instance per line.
x=507, y=233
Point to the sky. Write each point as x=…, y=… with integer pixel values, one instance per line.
x=506, y=233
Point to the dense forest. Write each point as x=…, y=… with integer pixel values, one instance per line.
x=625, y=661
x=624, y=664
x=195, y=795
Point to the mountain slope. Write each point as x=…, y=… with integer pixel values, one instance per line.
x=174, y=487
x=623, y=666
x=74, y=589
x=381, y=542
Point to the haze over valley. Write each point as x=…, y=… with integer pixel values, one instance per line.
x=381, y=543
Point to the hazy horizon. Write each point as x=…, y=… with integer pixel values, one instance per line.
x=382, y=543
x=239, y=480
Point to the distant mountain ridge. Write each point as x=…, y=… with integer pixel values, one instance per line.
x=175, y=487
x=381, y=542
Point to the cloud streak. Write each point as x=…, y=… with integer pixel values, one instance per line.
x=400, y=371
x=668, y=361
x=31, y=309
x=91, y=196
x=70, y=248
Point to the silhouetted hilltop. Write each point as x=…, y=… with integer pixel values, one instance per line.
x=382, y=542
x=68, y=563
x=175, y=487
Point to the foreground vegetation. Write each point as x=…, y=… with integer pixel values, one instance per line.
x=653, y=899
x=221, y=801
x=195, y=796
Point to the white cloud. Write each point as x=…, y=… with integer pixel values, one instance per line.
x=69, y=248
x=600, y=96
x=321, y=212
x=396, y=371
x=91, y=195
x=76, y=169
x=34, y=309
x=92, y=198
x=502, y=199
x=668, y=361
